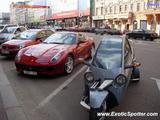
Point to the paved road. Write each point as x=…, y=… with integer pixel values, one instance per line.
x=48, y=98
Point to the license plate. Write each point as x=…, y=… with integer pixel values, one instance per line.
x=29, y=72
x=4, y=52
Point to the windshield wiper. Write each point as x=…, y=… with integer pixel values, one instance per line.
x=56, y=43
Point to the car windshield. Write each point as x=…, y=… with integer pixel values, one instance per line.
x=61, y=38
x=9, y=30
x=109, y=54
x=27, y=35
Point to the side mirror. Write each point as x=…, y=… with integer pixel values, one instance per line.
x=135, y=64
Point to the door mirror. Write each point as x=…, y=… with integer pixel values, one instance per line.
x=134, y=65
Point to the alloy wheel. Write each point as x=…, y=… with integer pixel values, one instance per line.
x=69, y=64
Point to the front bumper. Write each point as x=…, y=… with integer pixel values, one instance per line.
x=8, y=52
x=84, y=104
x=40, y=69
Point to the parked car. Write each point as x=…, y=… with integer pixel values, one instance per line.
x=2, y=27
x=113, y=32
x=55, y=55
x=10, y=32
x=143, y=34
x=100, y=31
x=25, y=39
x=110, y=71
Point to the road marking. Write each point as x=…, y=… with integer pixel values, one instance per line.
x=157, y=81
x=59, y=89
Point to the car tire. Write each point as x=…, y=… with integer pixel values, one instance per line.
x=69, y=65
x=135, y=75
x=144, y=38
x=93, y=113
x=151, y=39
x=92, y=51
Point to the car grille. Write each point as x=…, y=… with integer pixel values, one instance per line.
x=9, y=47
x=34, y=68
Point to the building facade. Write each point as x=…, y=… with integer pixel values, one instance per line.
x=70, y=13
x=99, y=14
x=128, y=14
x=26, y=13
x=4, y=18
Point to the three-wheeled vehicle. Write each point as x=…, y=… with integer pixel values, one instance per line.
x=109, y=72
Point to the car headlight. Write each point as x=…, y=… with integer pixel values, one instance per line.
x=120, y=80
x=18, y=56
x=57, y=56
x=89, y=76
x=21, y=46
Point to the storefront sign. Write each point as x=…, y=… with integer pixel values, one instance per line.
x=124, y=15
x=98, y=17
x=70, y=8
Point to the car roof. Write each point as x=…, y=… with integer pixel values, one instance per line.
x=67, y=32
x=35, y=30
x=15, y=26
x=116, y=38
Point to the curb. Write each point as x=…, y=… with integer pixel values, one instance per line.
x=12, y=107
x=157, y=40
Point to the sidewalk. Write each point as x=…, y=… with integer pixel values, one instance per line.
x=13, y=109
x=3, y=115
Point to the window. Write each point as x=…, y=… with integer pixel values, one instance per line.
x=22, y=29
x=125, y=8
x=110, y=9
x=96, y=11
x=109, y=53
x=138, y=6
x=48, y=33
x=120, y=8
x=70, y=39
x=41, y=35
x=106, y=10
x=158, y=3
x=101, y=10
x=114, y=9
x=131, y=7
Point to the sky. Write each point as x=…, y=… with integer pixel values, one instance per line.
x=4, y=7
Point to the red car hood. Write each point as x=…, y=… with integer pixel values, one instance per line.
x=43, y=52
x=16, y=42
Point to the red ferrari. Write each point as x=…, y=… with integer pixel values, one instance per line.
x=58, y=54
x=25, y=39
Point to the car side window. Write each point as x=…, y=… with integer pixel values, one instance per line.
x=41, y=35
x=17, y=31
x=49, y=33
x=22, y=29
x=127, y=52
